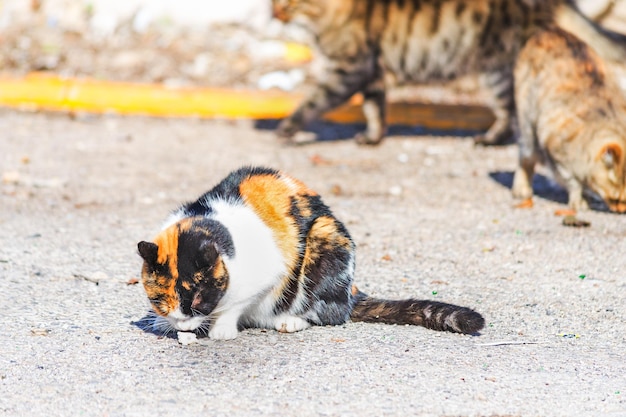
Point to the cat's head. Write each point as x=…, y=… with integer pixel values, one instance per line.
x=183, y=272
x=284, y=10
x=608, y=175
x=297, y=11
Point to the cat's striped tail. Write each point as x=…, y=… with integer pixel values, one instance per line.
x=609, y=45
x=430, y=314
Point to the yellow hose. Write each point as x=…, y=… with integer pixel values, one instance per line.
x=47, y=92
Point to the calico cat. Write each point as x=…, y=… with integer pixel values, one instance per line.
x=572, y=116
x=421, y=41
x=262, y=250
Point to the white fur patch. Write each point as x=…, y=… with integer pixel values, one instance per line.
x=257, y=267
x=258, y=264
x=183, y=322
x=289, y=324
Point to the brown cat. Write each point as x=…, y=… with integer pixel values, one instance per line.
x=261, y=249
x=419, y=41
x=572, y=116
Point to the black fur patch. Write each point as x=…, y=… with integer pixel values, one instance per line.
x=227, y=189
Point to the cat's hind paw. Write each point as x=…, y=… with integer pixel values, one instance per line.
x=290, y=324
x=522, y=188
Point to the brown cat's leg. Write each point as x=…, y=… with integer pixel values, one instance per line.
x=575, y=192
x=341, y=81
x=523, y=179
x=323, y=98
x=528, y=156
x=500, y=86
x=374, y=109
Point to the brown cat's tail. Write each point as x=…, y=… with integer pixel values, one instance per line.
x=609, y=45
x=430, y=314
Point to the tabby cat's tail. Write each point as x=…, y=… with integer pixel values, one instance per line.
x=430, y=314
x=609, y=45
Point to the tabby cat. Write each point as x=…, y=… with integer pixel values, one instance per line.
x=419, y=41
x=262, y=250
x=573, y=117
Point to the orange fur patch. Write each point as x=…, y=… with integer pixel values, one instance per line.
x=326, y=228
x=220, y=276
x=564, y=212
x=527, y=203
x=167, y=241
x=156, y=287
x=303, y=206
x=613, y=148
x=355, y=290
x=270, y=198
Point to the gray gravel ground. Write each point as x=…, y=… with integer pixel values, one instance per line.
x=432, y=217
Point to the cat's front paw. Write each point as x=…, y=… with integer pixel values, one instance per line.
x=496, y=135
x=522, y=188
x=287, y=129
x=577, y=202
x=223, y=332
x=368, y=140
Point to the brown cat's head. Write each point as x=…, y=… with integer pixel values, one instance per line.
x=283, y=10
x=183, y=272
x=608, y=175
x=297, y=11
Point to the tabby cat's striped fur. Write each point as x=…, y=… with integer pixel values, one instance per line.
x=418, y=41
x=262, y=250
x=572, y=116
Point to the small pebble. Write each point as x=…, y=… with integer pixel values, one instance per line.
x=10, y=177
x=396, y=190
x=403, y=158
x=186, y=338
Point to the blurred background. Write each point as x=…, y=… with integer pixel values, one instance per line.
x=176, y=42
x=234, y=44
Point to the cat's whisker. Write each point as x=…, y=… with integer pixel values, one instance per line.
x=204, y=328
x=162, y=326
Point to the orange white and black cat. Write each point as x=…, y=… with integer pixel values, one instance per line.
x=418, y=41
x=262, y=250
x=572, y=116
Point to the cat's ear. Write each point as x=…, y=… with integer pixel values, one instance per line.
x=209, y=253
x=611, y=154
x=149, y=251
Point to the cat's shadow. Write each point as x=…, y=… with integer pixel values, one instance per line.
x=546, y=188
x=146, y=324
x=325, y=131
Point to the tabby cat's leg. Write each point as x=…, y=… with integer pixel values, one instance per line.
x=528, y=157
x=500, y=87
x=575, y=188
x=523, y=179
x=374, y=102
x=340, y=82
